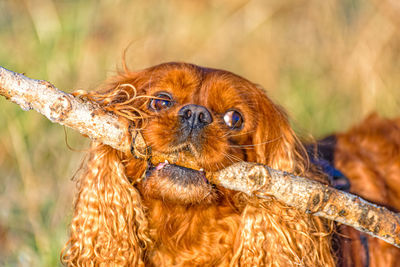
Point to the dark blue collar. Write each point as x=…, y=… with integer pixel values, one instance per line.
x=322, y=154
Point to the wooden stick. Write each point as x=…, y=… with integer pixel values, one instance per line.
x=311, y=197
x=65, y=109
x=253, y=179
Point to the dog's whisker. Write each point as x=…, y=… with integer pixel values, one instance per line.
x=252, y=146
x=230, y=134
x=232, y=157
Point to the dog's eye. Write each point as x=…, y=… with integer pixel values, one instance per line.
x=233, y=119
x=160, y=102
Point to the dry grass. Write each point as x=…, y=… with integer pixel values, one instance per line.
x=328, y=62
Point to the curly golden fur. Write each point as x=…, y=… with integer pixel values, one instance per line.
x=171, y=216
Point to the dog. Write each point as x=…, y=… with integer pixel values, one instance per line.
x=369, y=156
x=164, y=212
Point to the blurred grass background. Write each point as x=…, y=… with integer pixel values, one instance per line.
x=329, y=63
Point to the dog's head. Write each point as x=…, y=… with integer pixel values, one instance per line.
x=201, y=120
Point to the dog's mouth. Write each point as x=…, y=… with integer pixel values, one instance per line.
x=176, y=177
x=179, y=165
x=178, y=174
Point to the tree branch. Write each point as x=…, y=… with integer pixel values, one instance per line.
x=65, y=109
x=253, y=179
x=311, y=197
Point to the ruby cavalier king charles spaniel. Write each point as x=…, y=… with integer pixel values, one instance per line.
x=135, y=212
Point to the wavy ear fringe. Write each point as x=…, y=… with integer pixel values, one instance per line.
x=273, y=234
x=109, y=226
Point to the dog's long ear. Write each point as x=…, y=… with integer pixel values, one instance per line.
x=271, y=232
x=274, y=141
x=109, y=226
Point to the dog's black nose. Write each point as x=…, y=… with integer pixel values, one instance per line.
x=194, y=116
